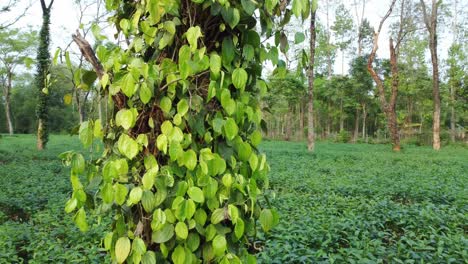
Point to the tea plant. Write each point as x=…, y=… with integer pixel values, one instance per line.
x=361, y=204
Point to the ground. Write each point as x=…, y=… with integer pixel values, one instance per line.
x=346, y=203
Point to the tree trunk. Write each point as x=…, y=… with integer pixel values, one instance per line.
x=43, y=62
x=310, y=112
x=301, y=121
x=7, y=93
x=356, y=126
x=364, y=116
x=387, y=108
x=329, y=59
x=341, y=115
x=393, y=126
x=453, y=130
x=431, y=25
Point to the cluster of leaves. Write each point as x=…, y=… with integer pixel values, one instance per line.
x=33, y=226
x=181, y=173
x=361, y=204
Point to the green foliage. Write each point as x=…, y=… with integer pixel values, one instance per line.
x=361, y=204
x=343, y=136
x=184, y=148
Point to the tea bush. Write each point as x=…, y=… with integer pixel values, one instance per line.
x=363, y=204
x=343, y=204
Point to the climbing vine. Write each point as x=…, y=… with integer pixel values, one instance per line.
x=181, y=173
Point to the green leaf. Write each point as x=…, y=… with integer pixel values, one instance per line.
x=128, y=146
x=230, y=129
x=71, y=205
x=161, y=143
x=227, y=51
x=249, y=6
x=244, y=150
x=270, y=4
x=120, y=193
x=122, y=249
x=148, y=179
x=97, y=131
x=154, y=10
x=128, y=85
x=77, y=163
x=193, y=241
x=164, y=234
x=178, y=256
x=297, y=8
x=165, y=104
x=215, y=63
x=266, y=220
x=125, y=118
x=182, y=107
x=181, y=230
x=192, y=34
x=239, y=228
x=86, y=133
x=190, y=159
x=256, y=138
x=145, y=93
x=196, y=194
x=148, y=258
x=138, y=246
x=299, y=37
x=219, y=245
x=231, y=16
x=80, y=220
x=253, y=162
x=135, y=195
x=239, y=78
x=217, y=216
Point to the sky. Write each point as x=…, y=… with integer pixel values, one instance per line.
x=65, y=21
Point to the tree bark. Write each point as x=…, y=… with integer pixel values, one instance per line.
x=7, y=93
x=341, y=115
x=431, y=25
x=356, y=126
x=301, y=121
x=453, y=130
x=310, y=112
x=364, y=116
x=392, y=104
x=387, y=107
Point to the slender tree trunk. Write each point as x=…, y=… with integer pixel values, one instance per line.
x=452, y=115
x=431, y=25
x=341, y=115
x=329, y=119
x=301, y=121
x=392, y=104
x=329, y=59
x=364, y=116
x=310, y=112
x=7, y=92
x=356, y=126
x=43, y=62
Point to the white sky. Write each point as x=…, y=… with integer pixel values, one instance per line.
x=65, y=21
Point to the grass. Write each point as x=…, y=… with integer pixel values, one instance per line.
x=342, y=204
